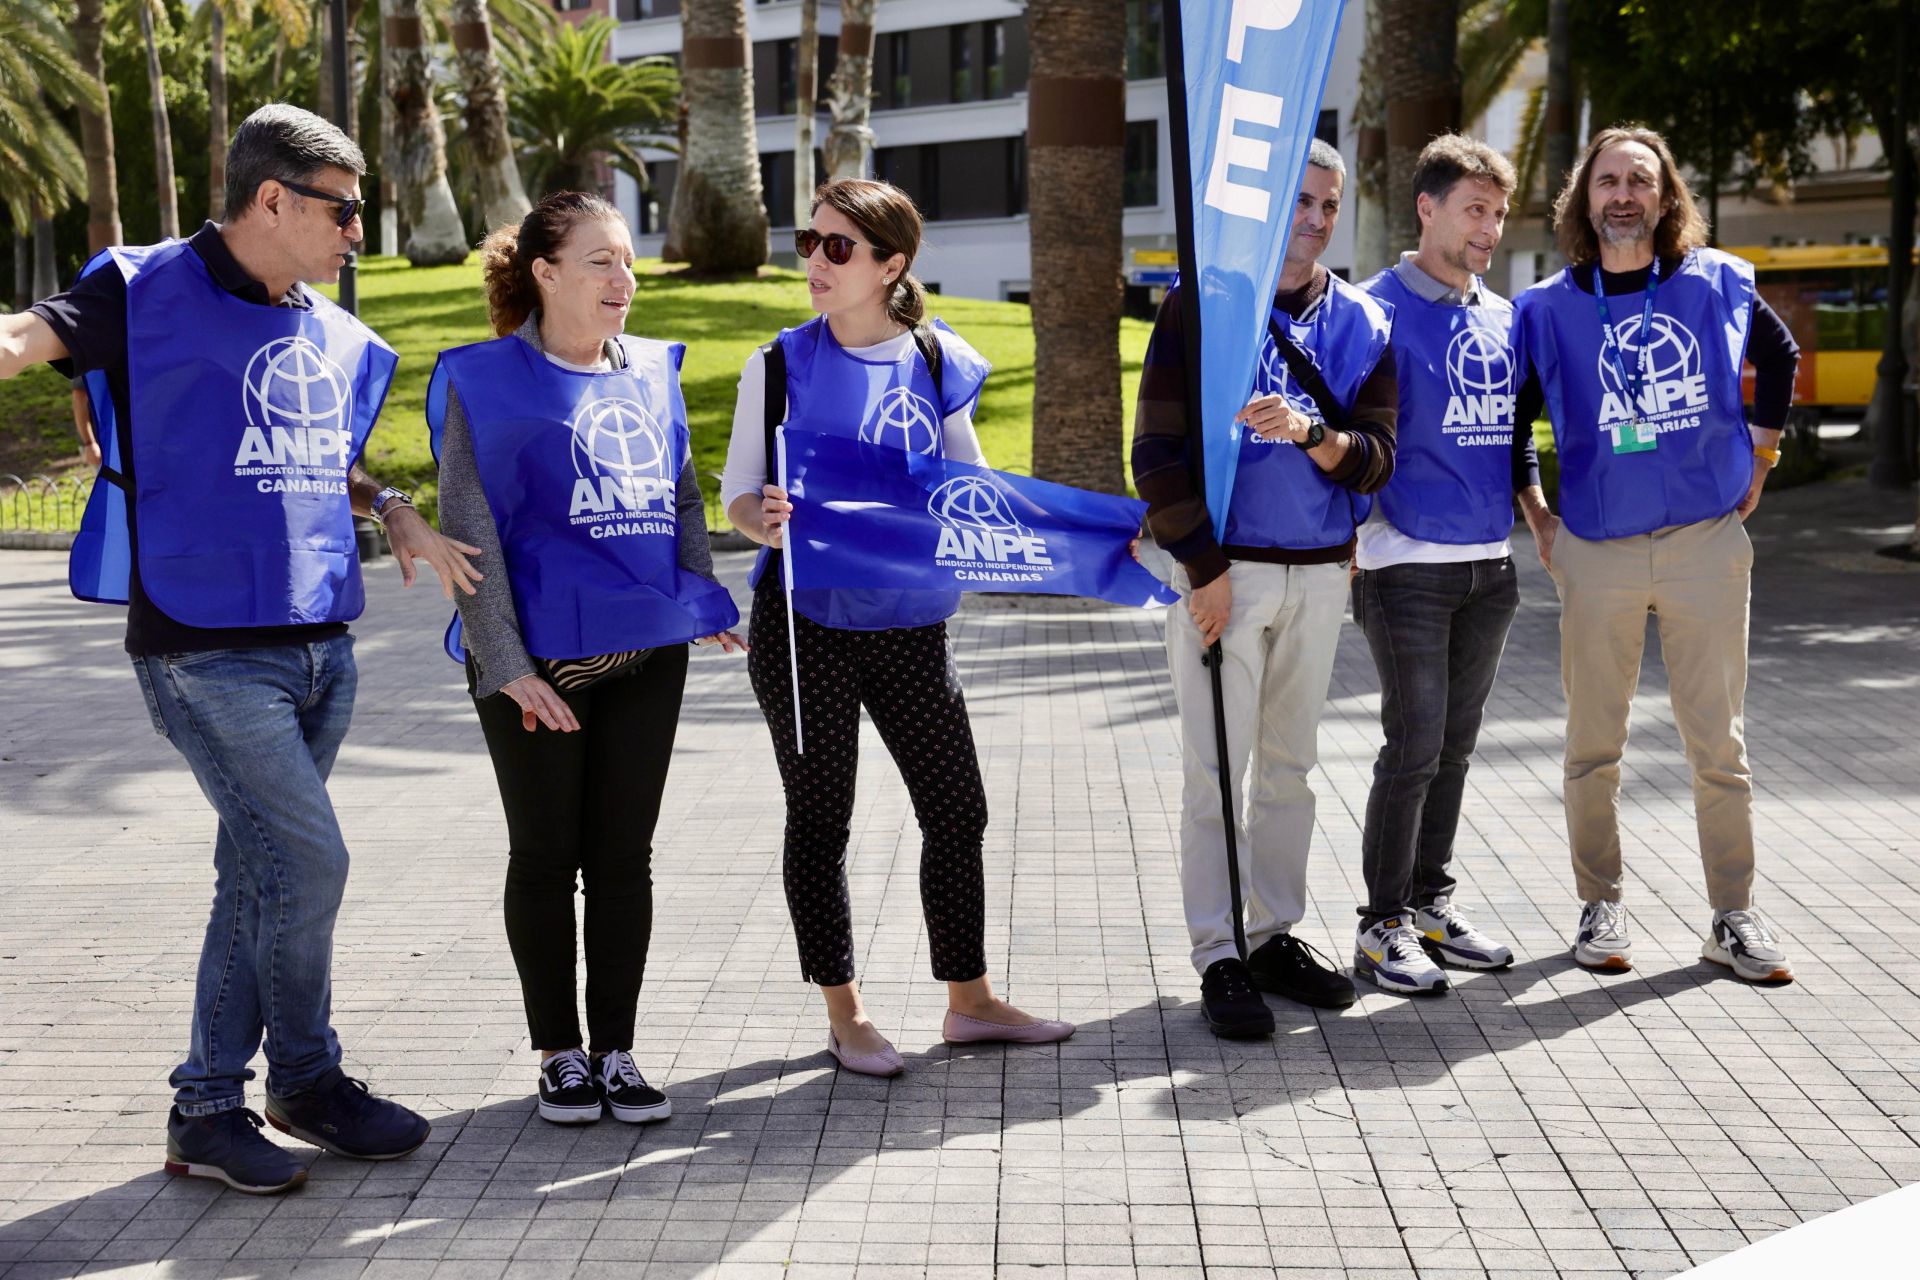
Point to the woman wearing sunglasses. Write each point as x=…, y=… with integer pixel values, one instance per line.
x=564, y=457
x=868, y=366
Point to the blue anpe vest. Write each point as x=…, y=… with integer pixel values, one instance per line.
x=246, y=420
x=879, y=402
x=1281, y=497
x=1453, y=446
x=1703, y=462
x=580, y=471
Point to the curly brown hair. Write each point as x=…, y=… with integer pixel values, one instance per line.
x=508, y=254
x=1681, y=227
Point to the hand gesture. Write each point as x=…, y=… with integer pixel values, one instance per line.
x=775, y=511
x=411, y=538
x=539, y=703
x=729, y=641
x=1272, y=418
x=1211, y=606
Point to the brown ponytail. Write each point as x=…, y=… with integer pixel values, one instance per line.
x=508, y=254
x=889, y=222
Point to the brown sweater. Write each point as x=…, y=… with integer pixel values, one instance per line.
x=1164, y=442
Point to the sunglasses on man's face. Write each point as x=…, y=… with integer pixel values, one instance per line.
x=350, y=206
x=839, y=247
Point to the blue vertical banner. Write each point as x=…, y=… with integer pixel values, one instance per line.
x=1244, y=79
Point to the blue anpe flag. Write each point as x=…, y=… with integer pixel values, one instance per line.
x=874, y=516
x=1252, y=72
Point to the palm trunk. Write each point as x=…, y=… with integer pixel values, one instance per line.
x=850, y=94
x=436, y=235
x=1420, y=65
x=217, y=112
x=807, y=94
x=1076, y=150
x=1372, y=236
x=46, y=273
x=96, y=132
x=1559, y=124
x=22, y=271
x=718, y=201
x=164, y=191
x=503, y=198
x=389, y=182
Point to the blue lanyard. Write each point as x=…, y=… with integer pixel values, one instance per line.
x=1633, y=383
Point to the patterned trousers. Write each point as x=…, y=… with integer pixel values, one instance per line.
x=906, y=681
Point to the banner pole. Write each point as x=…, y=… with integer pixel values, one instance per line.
x=1212, y=658
x=786, y=564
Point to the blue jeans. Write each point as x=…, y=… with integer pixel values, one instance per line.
x=260, y=729
x=1436, y=631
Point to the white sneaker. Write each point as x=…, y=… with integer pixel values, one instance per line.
x=1741, y=941
x=1452, y=939
x=568, y=1094
x=1389, y=955
x=1602, y=942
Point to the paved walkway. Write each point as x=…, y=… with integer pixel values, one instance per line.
x=1543, y=1120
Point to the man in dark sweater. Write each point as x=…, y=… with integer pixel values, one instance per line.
x=1316, y=436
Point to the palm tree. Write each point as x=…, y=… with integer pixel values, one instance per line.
x=164, y=189
x=806, y=106
x=719, y=215
x=566, y=103
x=1076, y=153
x=850, y=94
x=96, y=130
x=41, y=169
x=289, y=17
x=502, y=196
x=436, y=234
x=1419, y=63
x=1372, y=239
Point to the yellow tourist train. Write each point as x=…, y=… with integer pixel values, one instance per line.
x=1834, y=299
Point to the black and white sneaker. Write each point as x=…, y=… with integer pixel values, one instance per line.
x=568, y=1092
x=1741, y=941
x=627, y=1092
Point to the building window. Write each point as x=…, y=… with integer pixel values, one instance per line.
x=960, y=59
x=1145, y=57
x=657, y=199
x=641, y=10
x=1141, y=184
x=1327, y=128
x=900, y=88
x=993, y=46
x=787, y=71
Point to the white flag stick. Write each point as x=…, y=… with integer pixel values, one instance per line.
x=786, y=561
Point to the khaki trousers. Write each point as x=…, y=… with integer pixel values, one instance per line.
x=1696, y=579
x=1279, y=646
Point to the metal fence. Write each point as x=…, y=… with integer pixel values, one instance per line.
x=42, y=504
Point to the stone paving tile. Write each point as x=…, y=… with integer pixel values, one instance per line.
x=1541, y=1121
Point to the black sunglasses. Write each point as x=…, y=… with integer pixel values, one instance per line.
x=350, y=206
x=839, y=247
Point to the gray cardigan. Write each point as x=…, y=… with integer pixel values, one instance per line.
x=491, y=628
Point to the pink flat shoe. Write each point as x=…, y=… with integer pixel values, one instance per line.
x=960, y=1029
x=887, y=1062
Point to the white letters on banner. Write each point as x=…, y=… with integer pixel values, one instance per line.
x=1234, y=150
x=1257, y=15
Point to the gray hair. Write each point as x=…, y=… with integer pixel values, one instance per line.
x=1322, y=156
x=283, y=142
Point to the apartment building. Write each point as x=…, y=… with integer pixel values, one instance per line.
x=949, y=121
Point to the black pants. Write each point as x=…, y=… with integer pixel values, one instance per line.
x=1436, y=631
x=585, y=803
x=906, y=681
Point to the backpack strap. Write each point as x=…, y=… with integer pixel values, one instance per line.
x=774, y=412
x=929, y=344
x=1308, y=375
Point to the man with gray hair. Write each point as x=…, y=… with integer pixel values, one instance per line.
x=1269, y=591
x=234, y=403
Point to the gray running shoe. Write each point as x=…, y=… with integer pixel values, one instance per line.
x=1602, y=942
x=1741, y=941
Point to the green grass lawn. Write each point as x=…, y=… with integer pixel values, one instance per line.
x=422, y=310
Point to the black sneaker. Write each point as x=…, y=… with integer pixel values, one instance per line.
x=337, y=1113
x=228, y=1147
x=1233, y=1008
x=568, y=1092
x=627, y=1092
x=1288, y=967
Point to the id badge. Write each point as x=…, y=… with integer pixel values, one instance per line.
x=1635, y=437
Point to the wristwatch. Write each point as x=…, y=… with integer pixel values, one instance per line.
x=388, y=497
x=1316, y=433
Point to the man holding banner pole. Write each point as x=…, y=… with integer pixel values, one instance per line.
x=1264, y=593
